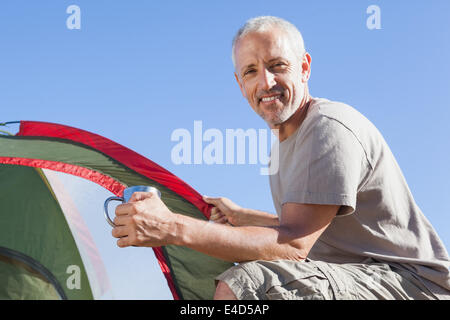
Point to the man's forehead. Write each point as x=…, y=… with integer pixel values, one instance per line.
x=266, y=45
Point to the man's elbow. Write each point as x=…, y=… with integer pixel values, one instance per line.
x=297, y=247
x=297, y=253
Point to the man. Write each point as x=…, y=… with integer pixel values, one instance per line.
x=347, y=225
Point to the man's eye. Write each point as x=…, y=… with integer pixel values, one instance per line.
x=249, y=71
x=280, y=64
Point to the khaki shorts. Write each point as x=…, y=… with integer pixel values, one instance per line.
x=316, y=280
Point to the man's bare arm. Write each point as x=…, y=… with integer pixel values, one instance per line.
x=292, y=239
x=147, y=222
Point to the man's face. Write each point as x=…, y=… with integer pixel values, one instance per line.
x=272, y=75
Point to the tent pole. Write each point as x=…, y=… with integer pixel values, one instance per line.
x=9, y=122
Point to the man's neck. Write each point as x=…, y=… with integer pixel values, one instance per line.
x=287, y=128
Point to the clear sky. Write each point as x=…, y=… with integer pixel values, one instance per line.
x=138, y=70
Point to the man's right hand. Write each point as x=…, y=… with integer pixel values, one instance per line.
x=225, y=211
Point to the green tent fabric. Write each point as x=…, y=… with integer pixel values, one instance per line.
x=19, y=281
x=190, y=274
x=36, y=245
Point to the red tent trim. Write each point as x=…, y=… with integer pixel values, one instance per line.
x=126, y=156
x=94, y=176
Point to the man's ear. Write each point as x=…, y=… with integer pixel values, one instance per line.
x=306, y=67
x=240, y=85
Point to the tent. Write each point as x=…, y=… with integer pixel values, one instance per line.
x=44, y=245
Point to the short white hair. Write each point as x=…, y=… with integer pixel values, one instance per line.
x=264, y=23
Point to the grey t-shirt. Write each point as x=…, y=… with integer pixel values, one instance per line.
x=338, y=157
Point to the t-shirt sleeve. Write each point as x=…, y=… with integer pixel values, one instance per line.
x=329, y=166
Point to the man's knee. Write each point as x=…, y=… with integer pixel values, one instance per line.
x=223, y=292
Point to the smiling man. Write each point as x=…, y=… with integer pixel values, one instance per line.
x=272, y=70
x=347, y=226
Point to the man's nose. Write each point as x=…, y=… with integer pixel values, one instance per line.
x=266, y=80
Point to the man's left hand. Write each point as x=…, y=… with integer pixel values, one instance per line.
x=143, y=221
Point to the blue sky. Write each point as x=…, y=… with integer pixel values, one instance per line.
x=138, y=70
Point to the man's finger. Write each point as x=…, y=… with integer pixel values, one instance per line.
x=140, y=195
x=216, y=216
x=123, y=242
x=211, y=200
x=119, y=232
x=121, y=220
x=125, y=209
x=217, y=202
x=222, y=220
